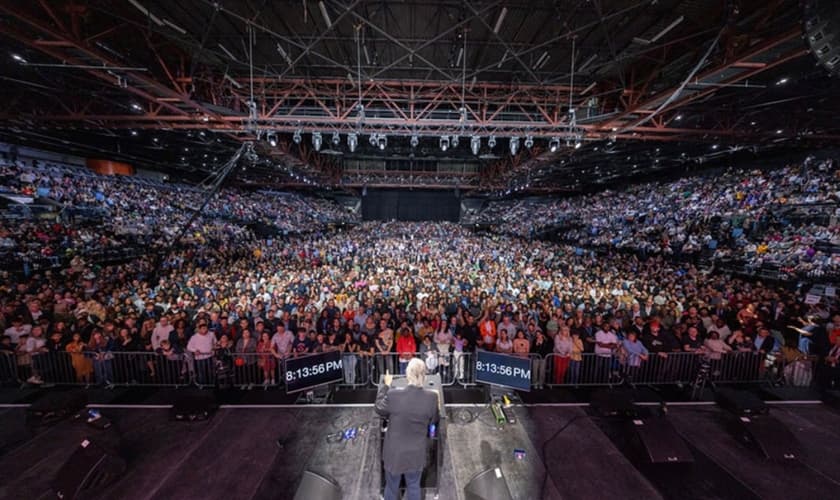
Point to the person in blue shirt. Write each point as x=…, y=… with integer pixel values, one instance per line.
x=636, y=353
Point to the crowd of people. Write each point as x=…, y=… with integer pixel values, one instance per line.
x=392, y=289
x=224, y=304
x=732, y=215
x=99, y=213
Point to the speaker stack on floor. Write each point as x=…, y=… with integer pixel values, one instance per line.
x=314, y=485
x=55, y=406
x=753, y=425
x=90, y=469
x=194, y=406
x=489, y=484
x=650, y=428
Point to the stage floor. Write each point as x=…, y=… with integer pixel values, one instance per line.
x=234, y=455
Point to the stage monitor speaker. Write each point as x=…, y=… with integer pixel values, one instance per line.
x=821, y=23
x=740, y=402
x=90, y=469
x=313, y=485
x=770, y=437
x=55, y=406
x=488, y=485
x=660, y=440
x=195, y=406
x=613, y=403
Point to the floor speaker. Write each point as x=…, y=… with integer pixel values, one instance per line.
x=55, y=406
x=660, y=440
x=313, y=485
x=740, y=402
x=613, y=403
x=769, y=436
x=191, y=407
x=488, y=485
x=91, y=468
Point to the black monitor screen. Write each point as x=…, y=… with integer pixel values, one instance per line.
x=503, y=369
x=313, y=370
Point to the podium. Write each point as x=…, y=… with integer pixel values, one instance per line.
x=430, y=480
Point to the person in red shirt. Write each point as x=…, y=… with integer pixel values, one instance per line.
x=406, y=347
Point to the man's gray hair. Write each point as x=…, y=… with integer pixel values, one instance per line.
x=416, y=372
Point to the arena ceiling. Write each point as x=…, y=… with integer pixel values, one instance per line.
x=605, y=90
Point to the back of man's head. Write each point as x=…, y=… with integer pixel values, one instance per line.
x=416, y=372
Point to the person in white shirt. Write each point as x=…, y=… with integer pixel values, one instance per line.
x=281, y=347
x=201, y=347
x=606, y=342
x=34, y=346
x=161, y=332
x=17, y=330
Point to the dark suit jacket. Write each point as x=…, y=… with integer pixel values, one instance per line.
x=409, y=412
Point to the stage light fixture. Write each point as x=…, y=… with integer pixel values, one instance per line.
x=578, y=144
x=678, y=118
x=336, y=139
x=475, y=144
x=316, y=140
x=297, y=137
x=514, y=145
x=272, y=140
x=554, y=145
x=529, y=141
x=134, y=133
x=382, y=142
x=372, y=139
x=454, y=141
x=444, y=143
x=19, y=58
x=491, y=141
x=136, y=107
x=352, y=141
x=414, y=141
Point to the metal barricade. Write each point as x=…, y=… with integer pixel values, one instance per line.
x=800, y=372
x=8, y=368
x=134, y=368
x=53, y=368
x=357, y=370
x=739, y=367
x=249, y=370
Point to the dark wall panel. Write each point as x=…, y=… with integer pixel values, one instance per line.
x=392, y=204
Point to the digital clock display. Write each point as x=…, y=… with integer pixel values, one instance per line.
x=503, y=369
x=305, y=372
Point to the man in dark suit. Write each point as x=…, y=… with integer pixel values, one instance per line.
x=409, y=412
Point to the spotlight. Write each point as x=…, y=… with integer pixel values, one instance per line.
x=382, y=142
x=475, y=144
x=444, y=143
x=514, y=145
x=529, y=141
x=272, y=140
x=18, y=58
x=336, y=139
x=578, y=144
x=779, y=131
x=136, y=107
x=554, y=145
x=316, y=140
x=678, y=117
x=297, y=137
x=491, y=141
x=414, y=141
x=454, y=141
x=715, y=146
x=783, y=81
x=352, y=141
x=373, y=138
x=134, y=133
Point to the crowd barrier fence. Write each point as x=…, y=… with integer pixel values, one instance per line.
x=249, y=370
